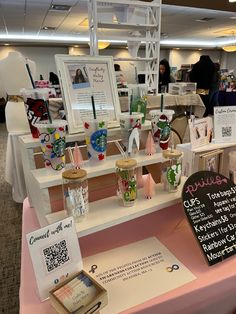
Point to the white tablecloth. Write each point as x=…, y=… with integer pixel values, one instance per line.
x=14, y=170
x=177, y=102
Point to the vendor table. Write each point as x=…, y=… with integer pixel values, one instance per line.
x=179, y=103
x=212, y=292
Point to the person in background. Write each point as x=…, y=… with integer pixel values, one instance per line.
x=53, y=78
x=203, y=73
x=214, y=90
x=164, y=76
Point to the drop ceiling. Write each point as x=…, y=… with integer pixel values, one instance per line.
x=180, y=24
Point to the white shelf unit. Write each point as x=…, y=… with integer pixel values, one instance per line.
x=103, y=213
x=38, y=181
x=108, y=212
x=47, y=178
x=42, y=179
x=146, y=22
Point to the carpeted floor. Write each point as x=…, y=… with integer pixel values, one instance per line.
x=10, y=238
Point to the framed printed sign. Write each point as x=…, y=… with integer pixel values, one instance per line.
x=225, y=124
x=212, y=161
x=82, y=77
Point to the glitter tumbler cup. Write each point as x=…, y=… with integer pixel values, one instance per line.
x=36, y=107
x=75, y=192
x=53, y=143
x=160, y=121
x=128, y=122
x=126, y=181
x=96, y=137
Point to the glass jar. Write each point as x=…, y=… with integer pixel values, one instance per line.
x=126, y=180
x=75, y=192
x=171, y=174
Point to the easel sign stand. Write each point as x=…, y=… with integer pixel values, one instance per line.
x=209, y=201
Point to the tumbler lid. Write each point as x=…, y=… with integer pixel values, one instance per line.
x=126, y=163
x=74, y=174
x=171, y=153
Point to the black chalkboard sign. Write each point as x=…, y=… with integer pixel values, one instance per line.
x=209, y=200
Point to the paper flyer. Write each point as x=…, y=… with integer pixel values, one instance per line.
x=135, y=273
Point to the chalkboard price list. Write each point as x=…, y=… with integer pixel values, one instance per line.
x=209, y=201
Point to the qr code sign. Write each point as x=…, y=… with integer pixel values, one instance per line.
x=226, y=131
x=56, y=255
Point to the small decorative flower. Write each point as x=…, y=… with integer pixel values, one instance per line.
x=101, y=124
x=57, y=136
x=86, y=125
x=101, y=156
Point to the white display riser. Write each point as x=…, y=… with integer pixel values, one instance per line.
x=29, y=142
x=42, y=179
x=108, y=212
x=38, y=193
x=191, y=156
x=46, y=178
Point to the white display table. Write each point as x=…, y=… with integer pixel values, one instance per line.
x=213, y=291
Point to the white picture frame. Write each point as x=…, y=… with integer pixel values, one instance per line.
x=80, y=78
x=201, y=131
x=212, y=161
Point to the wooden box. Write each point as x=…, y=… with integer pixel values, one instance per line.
x=79, y=294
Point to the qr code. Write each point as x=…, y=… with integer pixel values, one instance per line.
x=226, y=131
x=56, y=255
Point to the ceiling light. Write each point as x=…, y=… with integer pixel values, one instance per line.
x=76, y=46
x=6, y=44
x=231, y=48
x=231, y=45
x=200, y=49
x=205, y=19
x=232, y=0
x=102, y=44
x=48, y=28
x=60, y=7
x=85, y=22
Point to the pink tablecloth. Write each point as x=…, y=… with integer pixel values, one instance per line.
x=214, y=290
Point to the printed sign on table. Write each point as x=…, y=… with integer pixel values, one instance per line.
x=225, y=124
x=135, y=273
x=200, y=131
x=209, y=200
x=55, y=254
